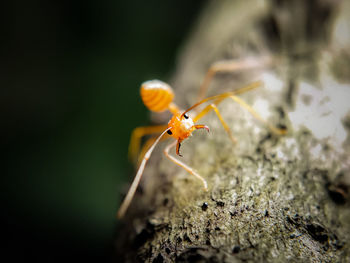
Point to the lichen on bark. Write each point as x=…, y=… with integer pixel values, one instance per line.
x=271, y=198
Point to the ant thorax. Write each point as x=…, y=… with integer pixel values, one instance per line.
x=181, y=126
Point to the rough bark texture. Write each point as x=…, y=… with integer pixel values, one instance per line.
x=271, y=198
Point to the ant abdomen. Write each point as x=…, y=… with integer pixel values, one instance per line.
x=156, y=95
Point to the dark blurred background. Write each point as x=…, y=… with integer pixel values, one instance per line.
x=71, y=72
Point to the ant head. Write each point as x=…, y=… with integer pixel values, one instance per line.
x=181, y=126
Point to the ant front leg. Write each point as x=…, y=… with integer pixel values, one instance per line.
x=231, y=66
x=135, y=140
x=184, y=166
x=219, y=98
x=210, y=107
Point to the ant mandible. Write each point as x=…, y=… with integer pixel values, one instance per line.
x=158, y=96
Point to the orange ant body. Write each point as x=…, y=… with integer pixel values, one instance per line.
x=158, y=96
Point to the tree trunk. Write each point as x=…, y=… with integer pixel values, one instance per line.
x=271, y=198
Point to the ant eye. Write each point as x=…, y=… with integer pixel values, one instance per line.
x=186, y=116
x=169, y=132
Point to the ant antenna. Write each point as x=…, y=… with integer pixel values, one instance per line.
x=124, y=206
x=222, y=96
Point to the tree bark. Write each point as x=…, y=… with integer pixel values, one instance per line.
x=271, y=198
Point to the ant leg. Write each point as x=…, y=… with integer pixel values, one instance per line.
x=216, y=110
x=184, y=166
x=137, y=134
x=230, y=66
x=256, y=115
x=219, y=98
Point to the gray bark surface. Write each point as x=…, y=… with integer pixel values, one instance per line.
x=271, y=198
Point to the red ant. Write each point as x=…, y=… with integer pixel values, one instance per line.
x=158, y=96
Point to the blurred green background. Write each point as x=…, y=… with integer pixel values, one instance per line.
x=71, y=72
